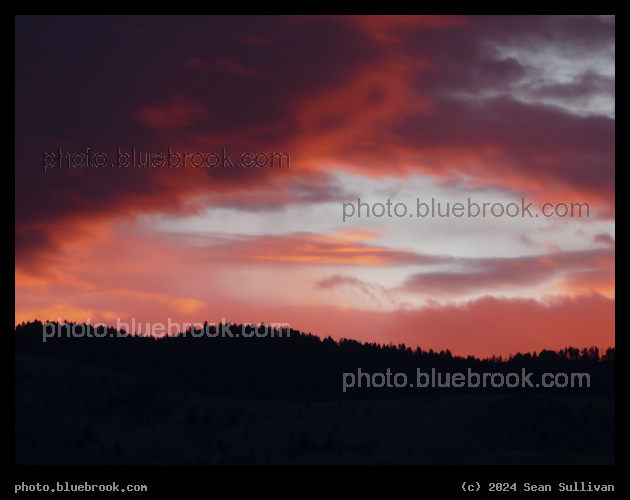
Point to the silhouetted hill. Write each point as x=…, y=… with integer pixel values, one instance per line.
x=187, y=400
x=301, y=366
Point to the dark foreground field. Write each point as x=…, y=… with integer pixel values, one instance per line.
x=68, y=412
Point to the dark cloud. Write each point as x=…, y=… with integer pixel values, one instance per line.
x=604, y=238
x=374, y=96
x=479, y=275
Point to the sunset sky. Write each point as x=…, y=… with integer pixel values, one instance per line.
x=496, y=109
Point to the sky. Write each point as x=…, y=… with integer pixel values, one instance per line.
x=506, y=110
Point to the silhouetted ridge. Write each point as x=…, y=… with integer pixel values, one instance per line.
x=300, y=366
